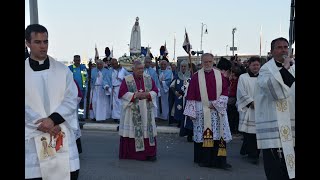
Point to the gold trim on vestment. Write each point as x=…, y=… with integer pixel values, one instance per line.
x=282, y=105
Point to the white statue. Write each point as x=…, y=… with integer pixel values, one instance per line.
x=135, y=41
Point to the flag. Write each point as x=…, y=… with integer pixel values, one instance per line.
x=107, y=52
x=96, y=56
x=186, y=44
x=144, y=51
x=162, y=51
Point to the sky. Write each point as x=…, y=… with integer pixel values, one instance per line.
x=77, y=26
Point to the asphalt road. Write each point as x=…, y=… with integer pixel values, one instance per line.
x=99, y=161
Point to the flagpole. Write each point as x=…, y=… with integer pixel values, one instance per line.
x=291, y=28
x=96, y=56
x=260, y=40
x=111, y=52
x=174, y=47
x=157, y=69
x=190, y=62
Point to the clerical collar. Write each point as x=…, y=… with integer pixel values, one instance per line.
x=251, y=74
x=207, y=71
x=39, y=66
x=279, y=64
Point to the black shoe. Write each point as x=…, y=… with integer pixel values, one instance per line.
x=253, y=160
x=152, y=158
x=189, y=138
x=243, y=152
x=225, y=166
x=94, y=119
x=204, y=165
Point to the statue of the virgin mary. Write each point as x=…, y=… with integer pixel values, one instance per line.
x=135, y=41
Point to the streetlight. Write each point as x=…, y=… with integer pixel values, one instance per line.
x=33, y=8
x=233, y=48
x=227, y=50
x=206, y=32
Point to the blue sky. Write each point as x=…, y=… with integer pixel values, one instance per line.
x=75, y=26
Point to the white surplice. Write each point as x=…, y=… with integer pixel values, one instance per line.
x=48, y=91
x=245, y=95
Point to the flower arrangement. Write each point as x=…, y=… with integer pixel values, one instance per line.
x=130, y=59
x=127, y=61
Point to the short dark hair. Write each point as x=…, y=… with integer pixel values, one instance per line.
x=236, y=70
x=37, y=28
x=253, y=59
x=76, y=56
x=273, y=42
x=224, y=64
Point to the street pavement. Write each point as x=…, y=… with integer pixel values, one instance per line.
x=110, y=125
x=99, y=160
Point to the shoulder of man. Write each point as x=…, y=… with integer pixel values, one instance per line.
x=152, y=71
x=244, y=75
x=194, y=75
x=83, y=66
x=128, y=76
x=58, y=64
x=265, y=66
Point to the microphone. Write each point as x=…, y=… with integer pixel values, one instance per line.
x=286, y=56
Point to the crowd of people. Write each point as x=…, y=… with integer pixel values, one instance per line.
x=211, y=103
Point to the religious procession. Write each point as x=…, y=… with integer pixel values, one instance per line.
x=210, y=103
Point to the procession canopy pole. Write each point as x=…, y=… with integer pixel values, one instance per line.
x=88, y=90
x=157, y=69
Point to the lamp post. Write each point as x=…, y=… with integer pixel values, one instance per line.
x=233, y=48
x=174, y=47
x=227, y=50
x=33, y=6
x=206, y=32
